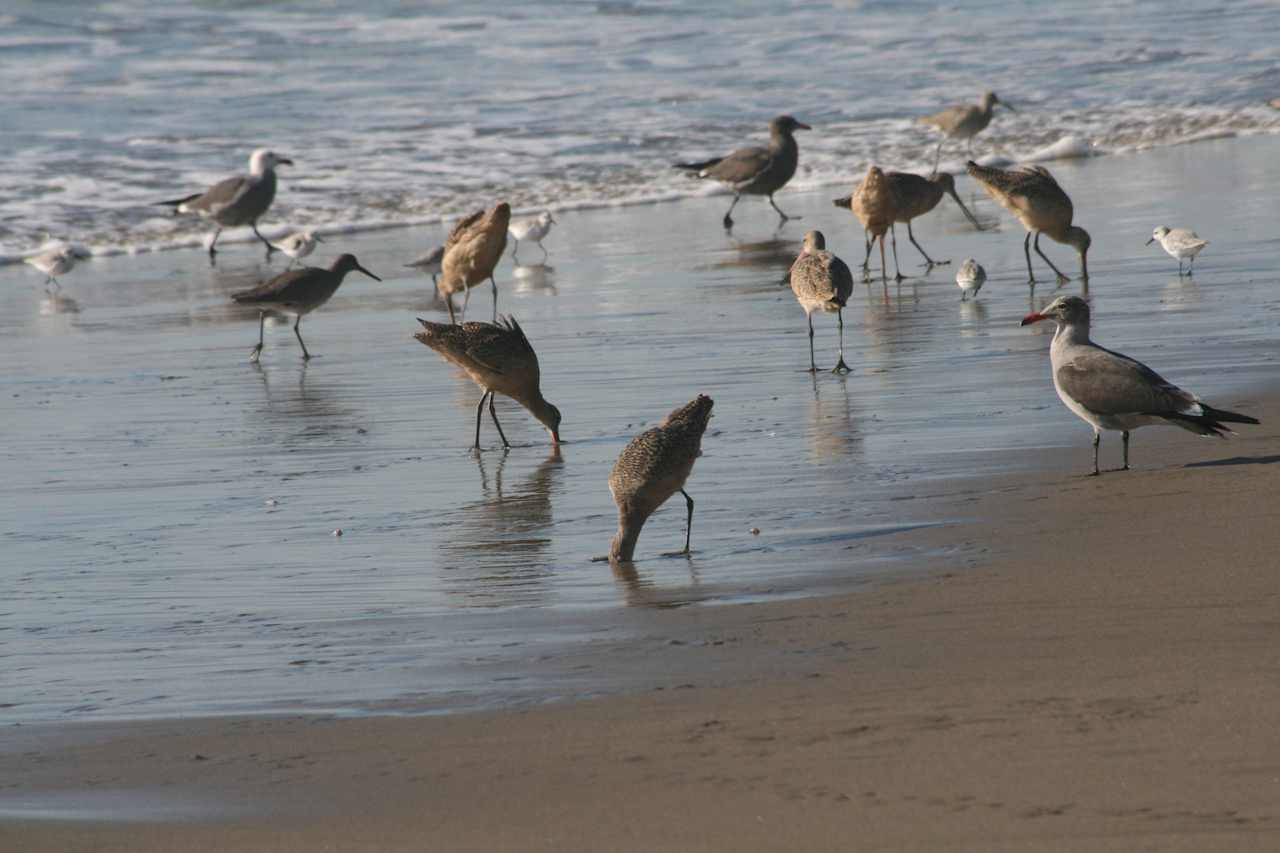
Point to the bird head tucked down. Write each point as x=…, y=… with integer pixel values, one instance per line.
x=1065, y=310
x=264, y=158
x=786, y=125
x=549, y=416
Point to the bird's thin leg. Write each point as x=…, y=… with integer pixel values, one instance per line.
x=515, y=251
x=265, y=241
x=292, y=261
x=813, y=366
x=780, y=213
x=1062, y=279
x=544, y=251
x=937, y=155
x=884, y=265
x=1026, y=250
x=840, y=367
x=688, y=530
x=466, y=297
x=495, y=297
x=306, y=356
x=213, y=245
x=866, y=260
x=929, y=262
x=1125, y=437
x=897, y=272
x=728, y=214
x=56, y=287
x=262, y=322
x=1097, y=439
x=494, y=414
x=448, y=300
x=1191, y=265
x=479, y=415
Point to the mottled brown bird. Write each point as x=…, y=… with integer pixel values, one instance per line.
x=499, y=358
x=821, y=282
x=653, y=467
x=471, y=252
x=873, y=202
x=1031, y=194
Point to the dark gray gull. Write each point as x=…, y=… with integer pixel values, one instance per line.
x=237, y=201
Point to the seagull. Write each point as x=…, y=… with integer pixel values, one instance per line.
x=963, y=121
x=531, y=228
x=57, y=261
x=970, y=277
x=298, y=292
x=821, y=282
x=240, y=200
x=429, y=263
x=756, y=171
x=298, y=245
x=1112, y=391
x=1180, y=243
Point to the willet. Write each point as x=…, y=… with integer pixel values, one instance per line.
x=471, y=252
x=872, y=201
x=914, y=196
x=756, y=171
x=531, y=228
x=963, y=121
x=298, y=245
x=430, y=263
x=1112, y=391
x=653, y=467
x=1031, y=194
x=57, y=261
x=500, y=359
x=241, y=200
x=821, y=282
x=1180, y=243
x=298, y=292
x=970, y=277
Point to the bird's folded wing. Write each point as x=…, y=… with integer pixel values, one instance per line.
x=742, y=166
x=221, y=195
x=1109, y=383
x=279, y=289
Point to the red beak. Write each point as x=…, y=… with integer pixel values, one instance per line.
x=1033, y=317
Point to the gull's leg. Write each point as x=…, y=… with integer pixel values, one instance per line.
x=937, y=154
x=306, y=356
x=780, y=213
x=1125, y=436
x=813, y=366
x=265, y=241
x=515, y=251
x=1026, y=250
x=840, y=367
x=1062, y=279
x=897, y=273
x=262, y=322
x=213, y=245
x=1097, y=439
x=930, y=263
x=688, y=530
x=494, y=414
x=728, y=214
x=479, y=415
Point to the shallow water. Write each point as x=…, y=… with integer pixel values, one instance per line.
x=397, y=111
x=149, y=575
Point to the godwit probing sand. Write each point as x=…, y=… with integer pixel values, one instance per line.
x=756, y=171
x=653, y=467
x=1180, y=243
x=241, y=200
x=963, y=121
x=471, y=252
x=298, y=292
x=500, y=359
x=1031, y=194
x=821, y=282
x=1112, y=391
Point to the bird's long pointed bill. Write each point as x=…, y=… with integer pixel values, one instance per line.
x=1149, y=242
x=1033, y=317
x=971, y=217
x=1008, y=107
x=366, y=272
x=555, y=437
x=283, y=161
x=802, y=126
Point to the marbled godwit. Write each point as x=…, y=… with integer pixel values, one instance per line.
x=471, y=252
x=499, y=358
x=970, y=277
x=873, y=202
x=756, y=171
x=57, y=261
x=298, y=292
x=653, y=467
x=298, y=245
x=1112, y=391
x=430, y=263
x=963, y=121
x=1180, y=243
x=531, y=228
x=241, y=200
x=914, y=196
x=821, y=282
x=1031, y=194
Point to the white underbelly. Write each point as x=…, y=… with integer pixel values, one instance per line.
x=1114, y=422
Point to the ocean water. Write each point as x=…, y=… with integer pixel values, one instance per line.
x=399, y=112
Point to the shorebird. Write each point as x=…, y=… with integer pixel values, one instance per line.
x=756, y=171
x=963, y=121
x=429, y=263
x=1180, y=243
x=57, y=261
x=821, y=282
x=298, y=245
x=873, y=202
x=1112, y=391
x=653, y=467
x=914, y=196
x=970, y=277
x=297, y=292
x=240, y=200
x=500, y=359
x=1031, y=194
x=531, y=228
x=471, y=252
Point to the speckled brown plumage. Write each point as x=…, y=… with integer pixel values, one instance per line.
x=471, y=252
x=653, y=467
x=821, y=282
x=873, y=202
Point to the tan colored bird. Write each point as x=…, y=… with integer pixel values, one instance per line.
x=873, y=202
x=500, y=359
x=916, y=195
x=471, y=252
x=963, y=121
x=1031, y=194
x=653, y=467
x=821, y=282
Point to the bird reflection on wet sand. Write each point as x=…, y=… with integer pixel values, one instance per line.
x=642, y=591
x=535, y=278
